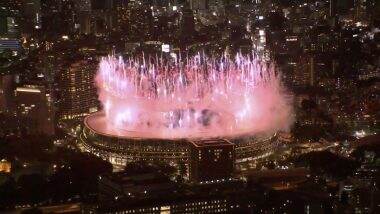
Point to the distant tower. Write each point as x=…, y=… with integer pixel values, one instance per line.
x=6, y=82
x=312, y=71
x=333, y=13
x=32, y=13
x=83, y=8
x=198, y=4
x=332, y=9
x=334, y=65
x=187, y=25
x=102, y=17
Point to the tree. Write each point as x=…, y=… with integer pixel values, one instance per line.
x=329, y=163
x=141, y=167
x=8, y=193
x=33, y=188
x=62, y=185
x=86, y=168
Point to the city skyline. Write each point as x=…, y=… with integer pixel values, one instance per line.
x=189, y=106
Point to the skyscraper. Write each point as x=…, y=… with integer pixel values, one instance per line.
x=187, y=25
x=83, y=8
x=35, y=109
x=32, y=14
x=77, y=90
x=50, y=17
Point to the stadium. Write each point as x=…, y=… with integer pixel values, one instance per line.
x=155, y=110
x=120, y=149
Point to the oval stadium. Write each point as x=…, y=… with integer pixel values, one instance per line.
x=120, y=148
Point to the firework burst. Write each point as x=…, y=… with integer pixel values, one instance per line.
x=198, y=97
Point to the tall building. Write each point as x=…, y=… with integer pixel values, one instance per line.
x=101, y=19
x=187, y=25
x=5, y=92
x=122, y=15
x=3, y=25
x=32, y=14
x=211, y=160
x=69, y=16
x=84, y=21
x=332, y=8
x=344, y=6
x=363, y=10
x=50, y=17
x=35, y=109
x=58, y=17
x=260, y=41
x=333, y=12
x=198, y=4
x=77, y=90
x=83, y=8
x=312, y=71
x=9, y=26
x=140, y=22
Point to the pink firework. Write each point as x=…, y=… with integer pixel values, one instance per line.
x=198, y=97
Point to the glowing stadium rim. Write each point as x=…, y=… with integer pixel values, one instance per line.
x=198, y=97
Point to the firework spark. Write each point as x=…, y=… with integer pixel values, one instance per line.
x=199, y=97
